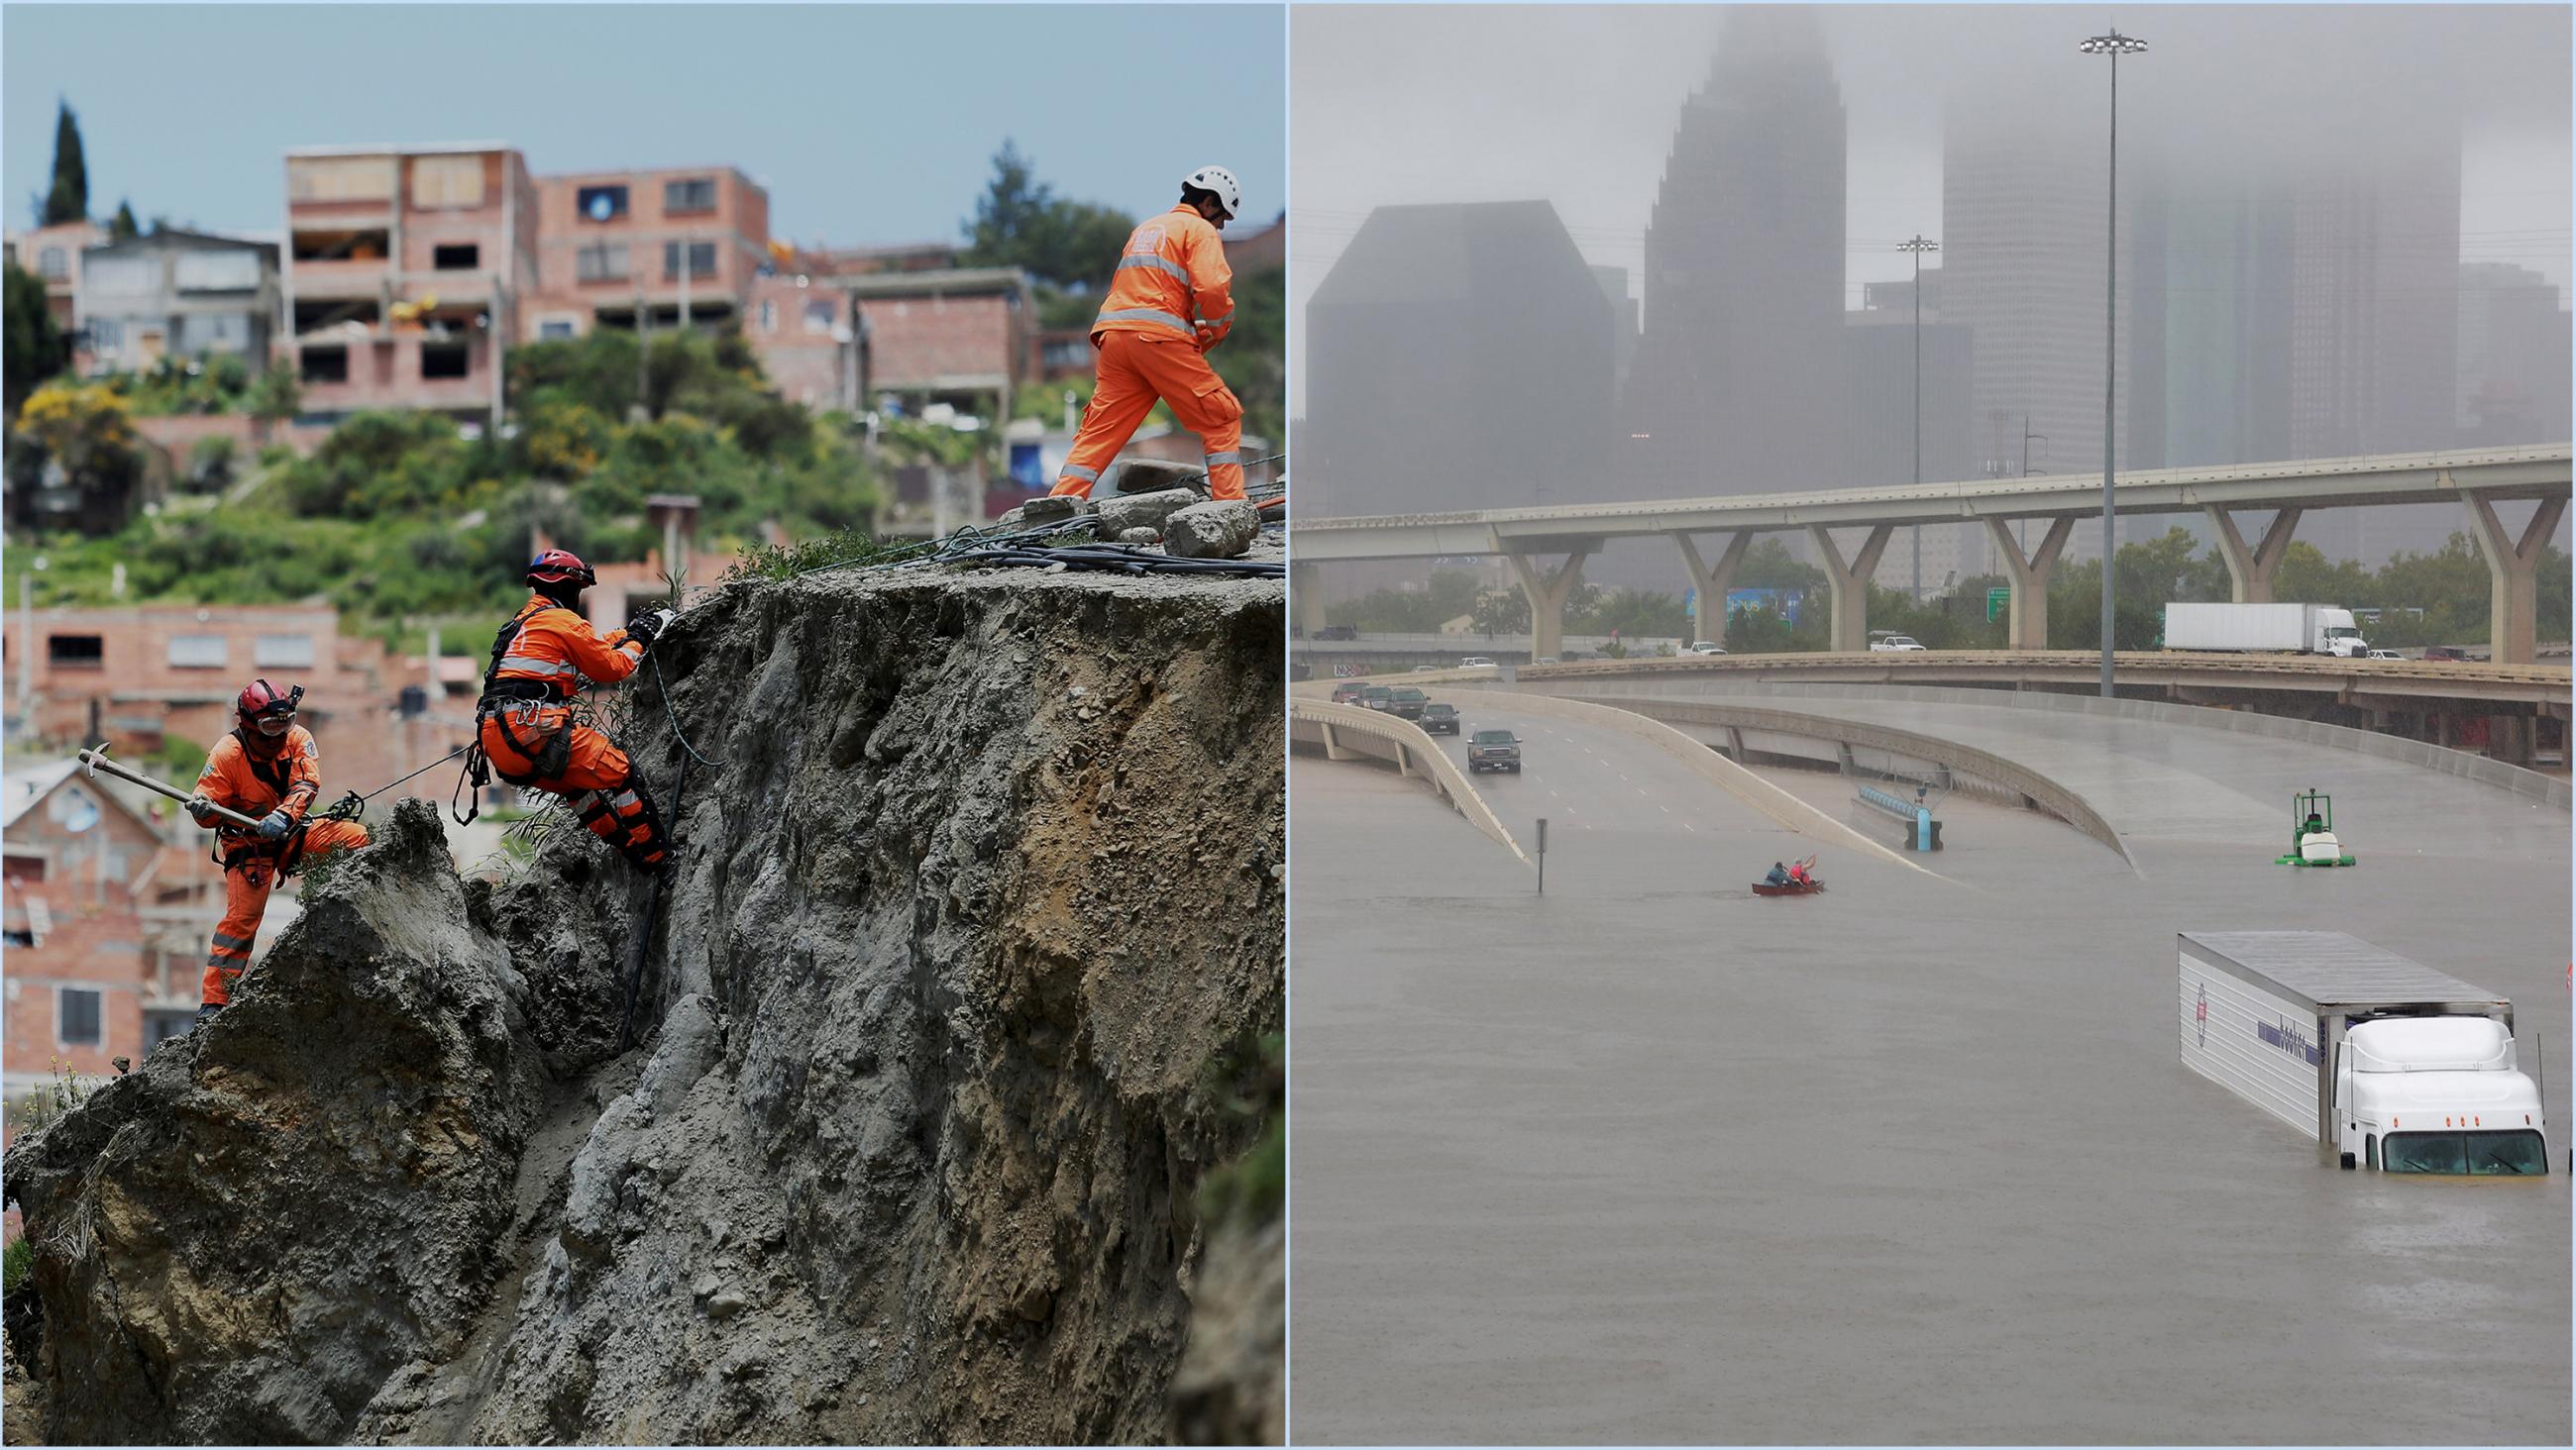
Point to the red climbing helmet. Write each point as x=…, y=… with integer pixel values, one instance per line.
x=267, y=707
x=560, y=566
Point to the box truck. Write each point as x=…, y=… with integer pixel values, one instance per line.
x=2274, y=628
x=2386, y=1063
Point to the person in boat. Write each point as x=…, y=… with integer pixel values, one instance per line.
x=1798, y=875
x=2315, y=826
x=1779, y=875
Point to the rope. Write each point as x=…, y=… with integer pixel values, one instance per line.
x=663, y=687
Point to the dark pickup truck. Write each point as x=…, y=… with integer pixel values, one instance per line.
x=1439, y=718
x=1407, y=702
x=1493, y=750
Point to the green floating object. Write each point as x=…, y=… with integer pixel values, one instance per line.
x=2315, y=806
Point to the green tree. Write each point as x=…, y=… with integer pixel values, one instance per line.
x=1020, y=222
x=274, y=397
x=1253, y=358
x=35, y=348
x=68, y=200
x=2307, y=577
x=122, y=225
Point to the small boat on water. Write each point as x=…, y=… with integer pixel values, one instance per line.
x=1765, y=888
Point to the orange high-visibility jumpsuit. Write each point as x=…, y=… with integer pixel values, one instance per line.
x=238, y=780
x=1170, y=300
x=526, y=729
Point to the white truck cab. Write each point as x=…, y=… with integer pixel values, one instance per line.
x=2437, y=1095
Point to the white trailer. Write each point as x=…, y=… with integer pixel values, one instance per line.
x=2384, y=1062
x=2264, y=628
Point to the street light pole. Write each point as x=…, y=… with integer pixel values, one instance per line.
x=1918, y=246
x=2113, y=45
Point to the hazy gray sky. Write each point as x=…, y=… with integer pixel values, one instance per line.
x=868, y=123
x=1577, y=105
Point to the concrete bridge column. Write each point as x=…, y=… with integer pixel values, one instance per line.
x=1547, y=595
x=2513, y=569
x=2026, y=623
x=1334, y=749
x=1851, y=584
x=1305, y=587
x=1710, y=584
x=2251, y=570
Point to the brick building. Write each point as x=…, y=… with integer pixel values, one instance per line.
x=138, y=677
x=177, y=293
x=406, y=269
x=53, y=253
x=806, y=332
x=610, y=242
x=105, y=925
x=966, y=336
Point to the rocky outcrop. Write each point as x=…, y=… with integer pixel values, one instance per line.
x=983, y=874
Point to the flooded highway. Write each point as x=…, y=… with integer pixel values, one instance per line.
x=1648, y=1159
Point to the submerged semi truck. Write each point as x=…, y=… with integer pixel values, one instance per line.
x=2319, y=629
x=2386, y=1063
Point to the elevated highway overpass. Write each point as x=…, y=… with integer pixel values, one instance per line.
x=2477, y=479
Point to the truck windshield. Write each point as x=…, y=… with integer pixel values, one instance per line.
x=2514, y=1153
x=2342, y=631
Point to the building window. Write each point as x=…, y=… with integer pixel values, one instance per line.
x=122, y=276
x=768, y=315
x=445, y=360
x=18, y=937
x=679, y=198
x=456, y=256
x=340, y=178
x=75, y=651
x=447, y=181
x=197, y=651
x=601, y=203
x=601, y=262
x=219, y=271
x=282, y=651
x=555, y=329
x=702, y=259
x=818, y=315
x=52, y=264
x=212, y=330
x=326, y=365
x=104, y=334
x=76, y=1017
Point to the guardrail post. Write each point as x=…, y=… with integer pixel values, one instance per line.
x=2513, y=569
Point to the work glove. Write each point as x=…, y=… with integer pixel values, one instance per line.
x=200, y=810
x=645, y=627
x=275, y=826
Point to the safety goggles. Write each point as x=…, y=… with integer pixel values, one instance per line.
x=277, y=721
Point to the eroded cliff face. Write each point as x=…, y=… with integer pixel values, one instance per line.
x=977, y=921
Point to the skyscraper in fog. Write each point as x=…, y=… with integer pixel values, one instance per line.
x=1737, y=386
x=2022, y=269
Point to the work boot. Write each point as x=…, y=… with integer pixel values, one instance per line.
x=207, y=1010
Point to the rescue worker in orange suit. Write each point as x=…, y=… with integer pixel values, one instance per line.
x=1170, y=300
x=267, y=767
x=539, y=661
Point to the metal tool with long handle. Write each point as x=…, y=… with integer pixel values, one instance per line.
x=95, y=760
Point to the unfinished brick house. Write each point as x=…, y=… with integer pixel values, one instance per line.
x=613, y=245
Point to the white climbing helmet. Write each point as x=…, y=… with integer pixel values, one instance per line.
x=1229, y=192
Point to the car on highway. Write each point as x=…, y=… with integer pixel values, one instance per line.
x=1545, y=660
x=1475, y=662
x=1440, y=718
x=2385, y=654
x=1406, y=702
x=1377, y=697
x=1426, y=669
x=1338, y=631
x=1895, y=643
x=1493, y=750
x=2446, y=652
x=1705, y=648
x=1346, y=694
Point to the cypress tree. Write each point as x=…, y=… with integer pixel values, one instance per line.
x=69, y=200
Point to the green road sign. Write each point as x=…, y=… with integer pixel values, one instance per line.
x=1997, y=600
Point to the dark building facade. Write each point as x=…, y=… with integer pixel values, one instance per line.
x=1457, y=356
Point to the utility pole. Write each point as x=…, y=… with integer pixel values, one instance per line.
x=643, y=350
x=2113, y=45
x=1918, y=246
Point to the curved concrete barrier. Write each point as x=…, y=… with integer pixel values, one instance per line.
x=2042, y=792
x=2527, y=783
x=1347, y=730
x=1773, y=802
